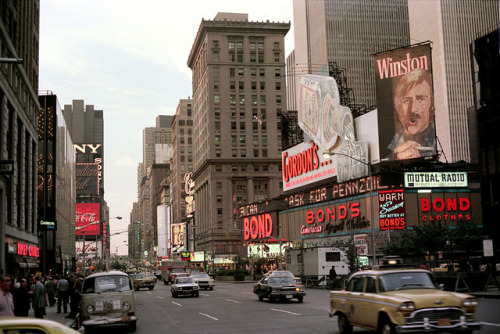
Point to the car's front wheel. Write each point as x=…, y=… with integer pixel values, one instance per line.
x=151, y=287
x=345, y=326
x=300, y=299
x=387, y=327
x=174, y=294
x=133, y=326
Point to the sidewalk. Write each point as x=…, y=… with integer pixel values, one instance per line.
x=58, y=317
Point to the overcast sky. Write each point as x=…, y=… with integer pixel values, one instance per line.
x=128, y=58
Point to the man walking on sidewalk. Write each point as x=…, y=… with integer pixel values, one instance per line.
x=62, y=294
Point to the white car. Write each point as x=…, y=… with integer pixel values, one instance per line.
x=204, y=280
x=185, y=286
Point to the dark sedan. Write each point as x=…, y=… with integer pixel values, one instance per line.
x=279, y=287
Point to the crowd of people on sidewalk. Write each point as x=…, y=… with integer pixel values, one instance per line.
x=19, y=295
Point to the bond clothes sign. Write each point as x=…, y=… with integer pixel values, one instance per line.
x=436, y=180
x=405, y=103
x=392, y=209
x=88, y=215
x=259, y=227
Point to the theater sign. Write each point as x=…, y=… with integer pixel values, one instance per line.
x=436, y=179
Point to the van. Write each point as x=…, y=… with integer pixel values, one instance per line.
x=107, y=300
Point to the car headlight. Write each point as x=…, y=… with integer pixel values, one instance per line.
x=470, y=302
x=407, y=306
x=196, y=287
x=90, y=309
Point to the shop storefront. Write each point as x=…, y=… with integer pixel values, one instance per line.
x=22, y=258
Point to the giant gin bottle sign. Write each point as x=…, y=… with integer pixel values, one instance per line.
x=330, y=126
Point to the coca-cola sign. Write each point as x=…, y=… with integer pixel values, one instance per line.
x=85, y=215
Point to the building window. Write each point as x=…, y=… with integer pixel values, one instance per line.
x=234, y=153
x=260, y=46
x=253, y=72
x=232, y=85
x=265, y=168
x=219, y=211
x=216, y=98
x=217, y=126
x=243, y=154
x=255, y=141
x=262, y=85
x=276, y=57
x=232, y=99
x=241, y=98
x=218, y=153
x=218, y=186
x=242, y=112
x=254, y=85
x=251, y=45
x=276, y=45
x=278, y=99
x=231, y=72
x=243, y=140
x=216, y=85
x=263, y=126
x=277, y=73
x=241, y=72
x=242, y=125
x=262, y=72
x=264, y=140
x=181, y=140
x=219, y=198
x=233, y=140
x=233, y=126
x=216, y=72
x=241, y=85
x=262, y=99
x=190, y=149
x=240, y=58
x=232, y=57
x=261, y=58
x=278, y=85
x=233, y=112
x=220, y=225
x=217, y=140
x=253, y=58
x=256, y=168
x=218, y=168
x=255, y=153
x=255, y=126
x=215, y=44
x=264, y=153
x=231, y=46
x=215, y=56
x=262, y=113
x=217, y=112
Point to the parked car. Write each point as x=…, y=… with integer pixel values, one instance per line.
x=446, y=267
x=401, y=300
x=204, y=280
x=143, y=281
x=107, y=299
x=279, y=287
x=32, y=325
x=185, y=286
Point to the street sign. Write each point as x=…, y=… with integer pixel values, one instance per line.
x=6, y=167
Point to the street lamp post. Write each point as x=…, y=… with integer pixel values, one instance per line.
x=327, y=155
x=107, y=253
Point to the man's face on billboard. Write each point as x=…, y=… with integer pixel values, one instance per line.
x=415, y=109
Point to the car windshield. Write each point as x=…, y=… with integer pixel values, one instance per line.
x=281, y=273
x=406, y=280
x=177, y=270
x=137, y=276
x=200, y=276
x=101, y=284
x=185, y=280
x=280, y=280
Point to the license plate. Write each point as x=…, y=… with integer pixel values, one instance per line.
x=289, y=296
x=188, y=291
x=444, y=322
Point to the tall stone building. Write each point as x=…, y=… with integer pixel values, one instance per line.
x=19, y=106
x=238, y=79
x=451, y=25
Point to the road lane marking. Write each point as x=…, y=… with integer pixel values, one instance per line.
x=177, y=304
x=234, y=301
x=160, y=297
x=206, y=315
x=248, y=293
x=277, y=310
x=148, y=292
x=490, y=324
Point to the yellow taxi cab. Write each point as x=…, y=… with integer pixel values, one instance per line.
x=33, y=325
x=395, y=299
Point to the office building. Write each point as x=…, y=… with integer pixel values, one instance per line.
x=239, y=90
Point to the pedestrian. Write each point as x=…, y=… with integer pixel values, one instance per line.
x=75, y=298
x=424, y=266
x=50, y=287
x=333, y=276
x=62, y=294
x=39, y=301
x=6, y=299
x=22, y=299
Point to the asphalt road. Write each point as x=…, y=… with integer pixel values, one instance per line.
x=233, y=308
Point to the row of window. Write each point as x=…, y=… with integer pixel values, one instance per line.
x=241, y=72
x=241, y=85
x=241, y=99
x=243, y=140
x=243, y=153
